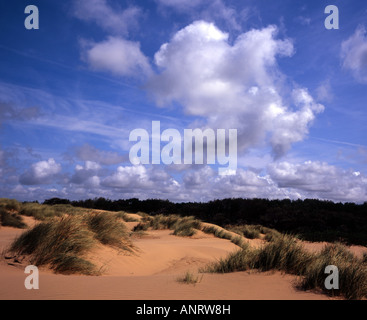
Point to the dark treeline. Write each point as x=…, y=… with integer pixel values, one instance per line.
x=312, y=220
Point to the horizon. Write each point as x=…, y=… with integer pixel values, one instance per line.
x=73, y=90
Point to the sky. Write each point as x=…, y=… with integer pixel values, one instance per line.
x=73, y=90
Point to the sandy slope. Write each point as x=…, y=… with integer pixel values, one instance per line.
x=151, y=274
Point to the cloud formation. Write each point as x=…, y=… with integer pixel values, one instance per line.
x=42, y=172
x=112, y=19
x=235, y=85
x=354, y=54
x=117, y=56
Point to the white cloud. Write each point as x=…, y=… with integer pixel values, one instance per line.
x=43, y=172
x=118, y=56
x=87, y=173
x=112, y=19
x=235, y=85
x=354, y=54
x=320, y=180
x=152, y=182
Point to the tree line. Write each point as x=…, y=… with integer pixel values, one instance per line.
x=311, y=219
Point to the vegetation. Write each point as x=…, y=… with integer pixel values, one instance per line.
x=312, y=220
x=108, y=229
x=10, y=204
x=62, y=243
x=287, y=255
x=190, y=278
x=181, y=226
x=8, y=219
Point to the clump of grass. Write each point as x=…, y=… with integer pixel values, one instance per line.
x=142, y=226
x=241, y=260
x=247, y=231
x=283, y=254
x=8, y=219
x=109, y=229
x=186, y=227
x=218, y=232
x=39, y=211
x=59, y=243
x=126, y=217
x=224, y=234
x=10, y=204
x=61, y=209
x=181, y=226
x=352, y=272
x=287, y=255
x=190, y=278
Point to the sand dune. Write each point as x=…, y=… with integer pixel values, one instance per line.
x=151, y=273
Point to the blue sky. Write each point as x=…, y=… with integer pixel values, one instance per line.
x=73, y=90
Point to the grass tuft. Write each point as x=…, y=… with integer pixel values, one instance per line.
x=190, y=278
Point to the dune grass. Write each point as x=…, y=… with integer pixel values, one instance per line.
x=126, y=217
x=8, y=219
x=225, y=234
x=190, y=278
x=181, y=226
x=62, y=243
x=285, y=254
x=108, y=229
x=352, y=272
x=10, y=204
x=59, y=243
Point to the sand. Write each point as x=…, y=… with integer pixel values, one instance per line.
x=152, y=273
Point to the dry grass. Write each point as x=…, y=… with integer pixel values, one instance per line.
x=190, y=278
x=287, y=255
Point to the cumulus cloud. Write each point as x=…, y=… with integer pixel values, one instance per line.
x=354, y=54
x=87, y=174
x=137, y=178
x=118, y=56
x=42, y=172
x=112, y=19
x=235, y=85
x=314, y=179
